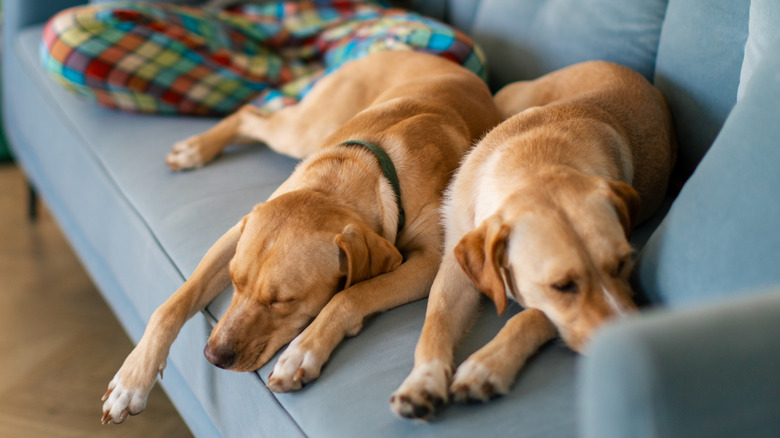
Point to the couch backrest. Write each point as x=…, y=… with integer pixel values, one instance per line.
x=720, y=237
x=692, y=50
x=698, y=69
x=526, y=39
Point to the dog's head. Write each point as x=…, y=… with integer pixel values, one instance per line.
x=560, y=247
x=295, y=252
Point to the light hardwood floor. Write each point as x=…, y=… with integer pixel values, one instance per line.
x=59, y=342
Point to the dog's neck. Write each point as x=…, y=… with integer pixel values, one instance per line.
x=353, y=178
x=389, y=172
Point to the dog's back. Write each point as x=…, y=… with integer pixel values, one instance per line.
x=404, y=83
x=611, y=94
x=426, y=119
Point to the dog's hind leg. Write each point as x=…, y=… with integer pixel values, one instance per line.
x=452, y=305
x=490, y=371
x=296, y=130
x=128, y=390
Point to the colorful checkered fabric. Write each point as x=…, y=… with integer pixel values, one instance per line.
x=162, y=58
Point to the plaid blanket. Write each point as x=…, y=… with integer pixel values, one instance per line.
x=163, y=58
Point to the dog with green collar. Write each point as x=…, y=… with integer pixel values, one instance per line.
x=354, y=231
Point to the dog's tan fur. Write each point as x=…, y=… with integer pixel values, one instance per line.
x=540, y=212
x=331, y=225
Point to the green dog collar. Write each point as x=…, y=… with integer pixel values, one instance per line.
x=388, y=170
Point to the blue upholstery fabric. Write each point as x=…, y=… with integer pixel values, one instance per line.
x=526, y=39
x=461, y=13
x=720, y=236
x=764, y=16
x=699, y=62
x=458, y=13
x=706, y=372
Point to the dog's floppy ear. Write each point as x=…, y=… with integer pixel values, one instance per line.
x=480, y=254
x=246, y=218
x=626, y=202
x=364, y=254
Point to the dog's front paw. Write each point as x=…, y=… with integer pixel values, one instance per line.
x=120, y=401
x=423, y=393
x=128, y=390
x=296, y=366
x=186, y=154
x=475, y=381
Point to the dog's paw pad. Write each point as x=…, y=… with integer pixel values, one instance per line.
x=295, y=367
x=423, y=393
x=120, y=401
x=474, y=382
x=423, y=408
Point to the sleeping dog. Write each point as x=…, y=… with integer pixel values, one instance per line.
x=540, y=212
x=382, y=137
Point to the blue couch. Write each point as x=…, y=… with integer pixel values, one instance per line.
x=703, y=360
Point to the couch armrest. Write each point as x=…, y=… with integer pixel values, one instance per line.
x=712, y=371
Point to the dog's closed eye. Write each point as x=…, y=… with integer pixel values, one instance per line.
x=280, y=301
x=566, y=286
x=618, y=269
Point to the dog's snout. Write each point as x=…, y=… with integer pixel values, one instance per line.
x=221, y=356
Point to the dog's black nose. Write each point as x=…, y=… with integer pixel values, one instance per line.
x=222, y=357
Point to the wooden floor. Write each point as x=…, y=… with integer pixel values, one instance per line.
x=59, y=342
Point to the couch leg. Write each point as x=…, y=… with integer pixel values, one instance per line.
x=32, y=203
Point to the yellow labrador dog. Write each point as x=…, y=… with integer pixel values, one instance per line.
x=540, y=212
x=382, y=135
